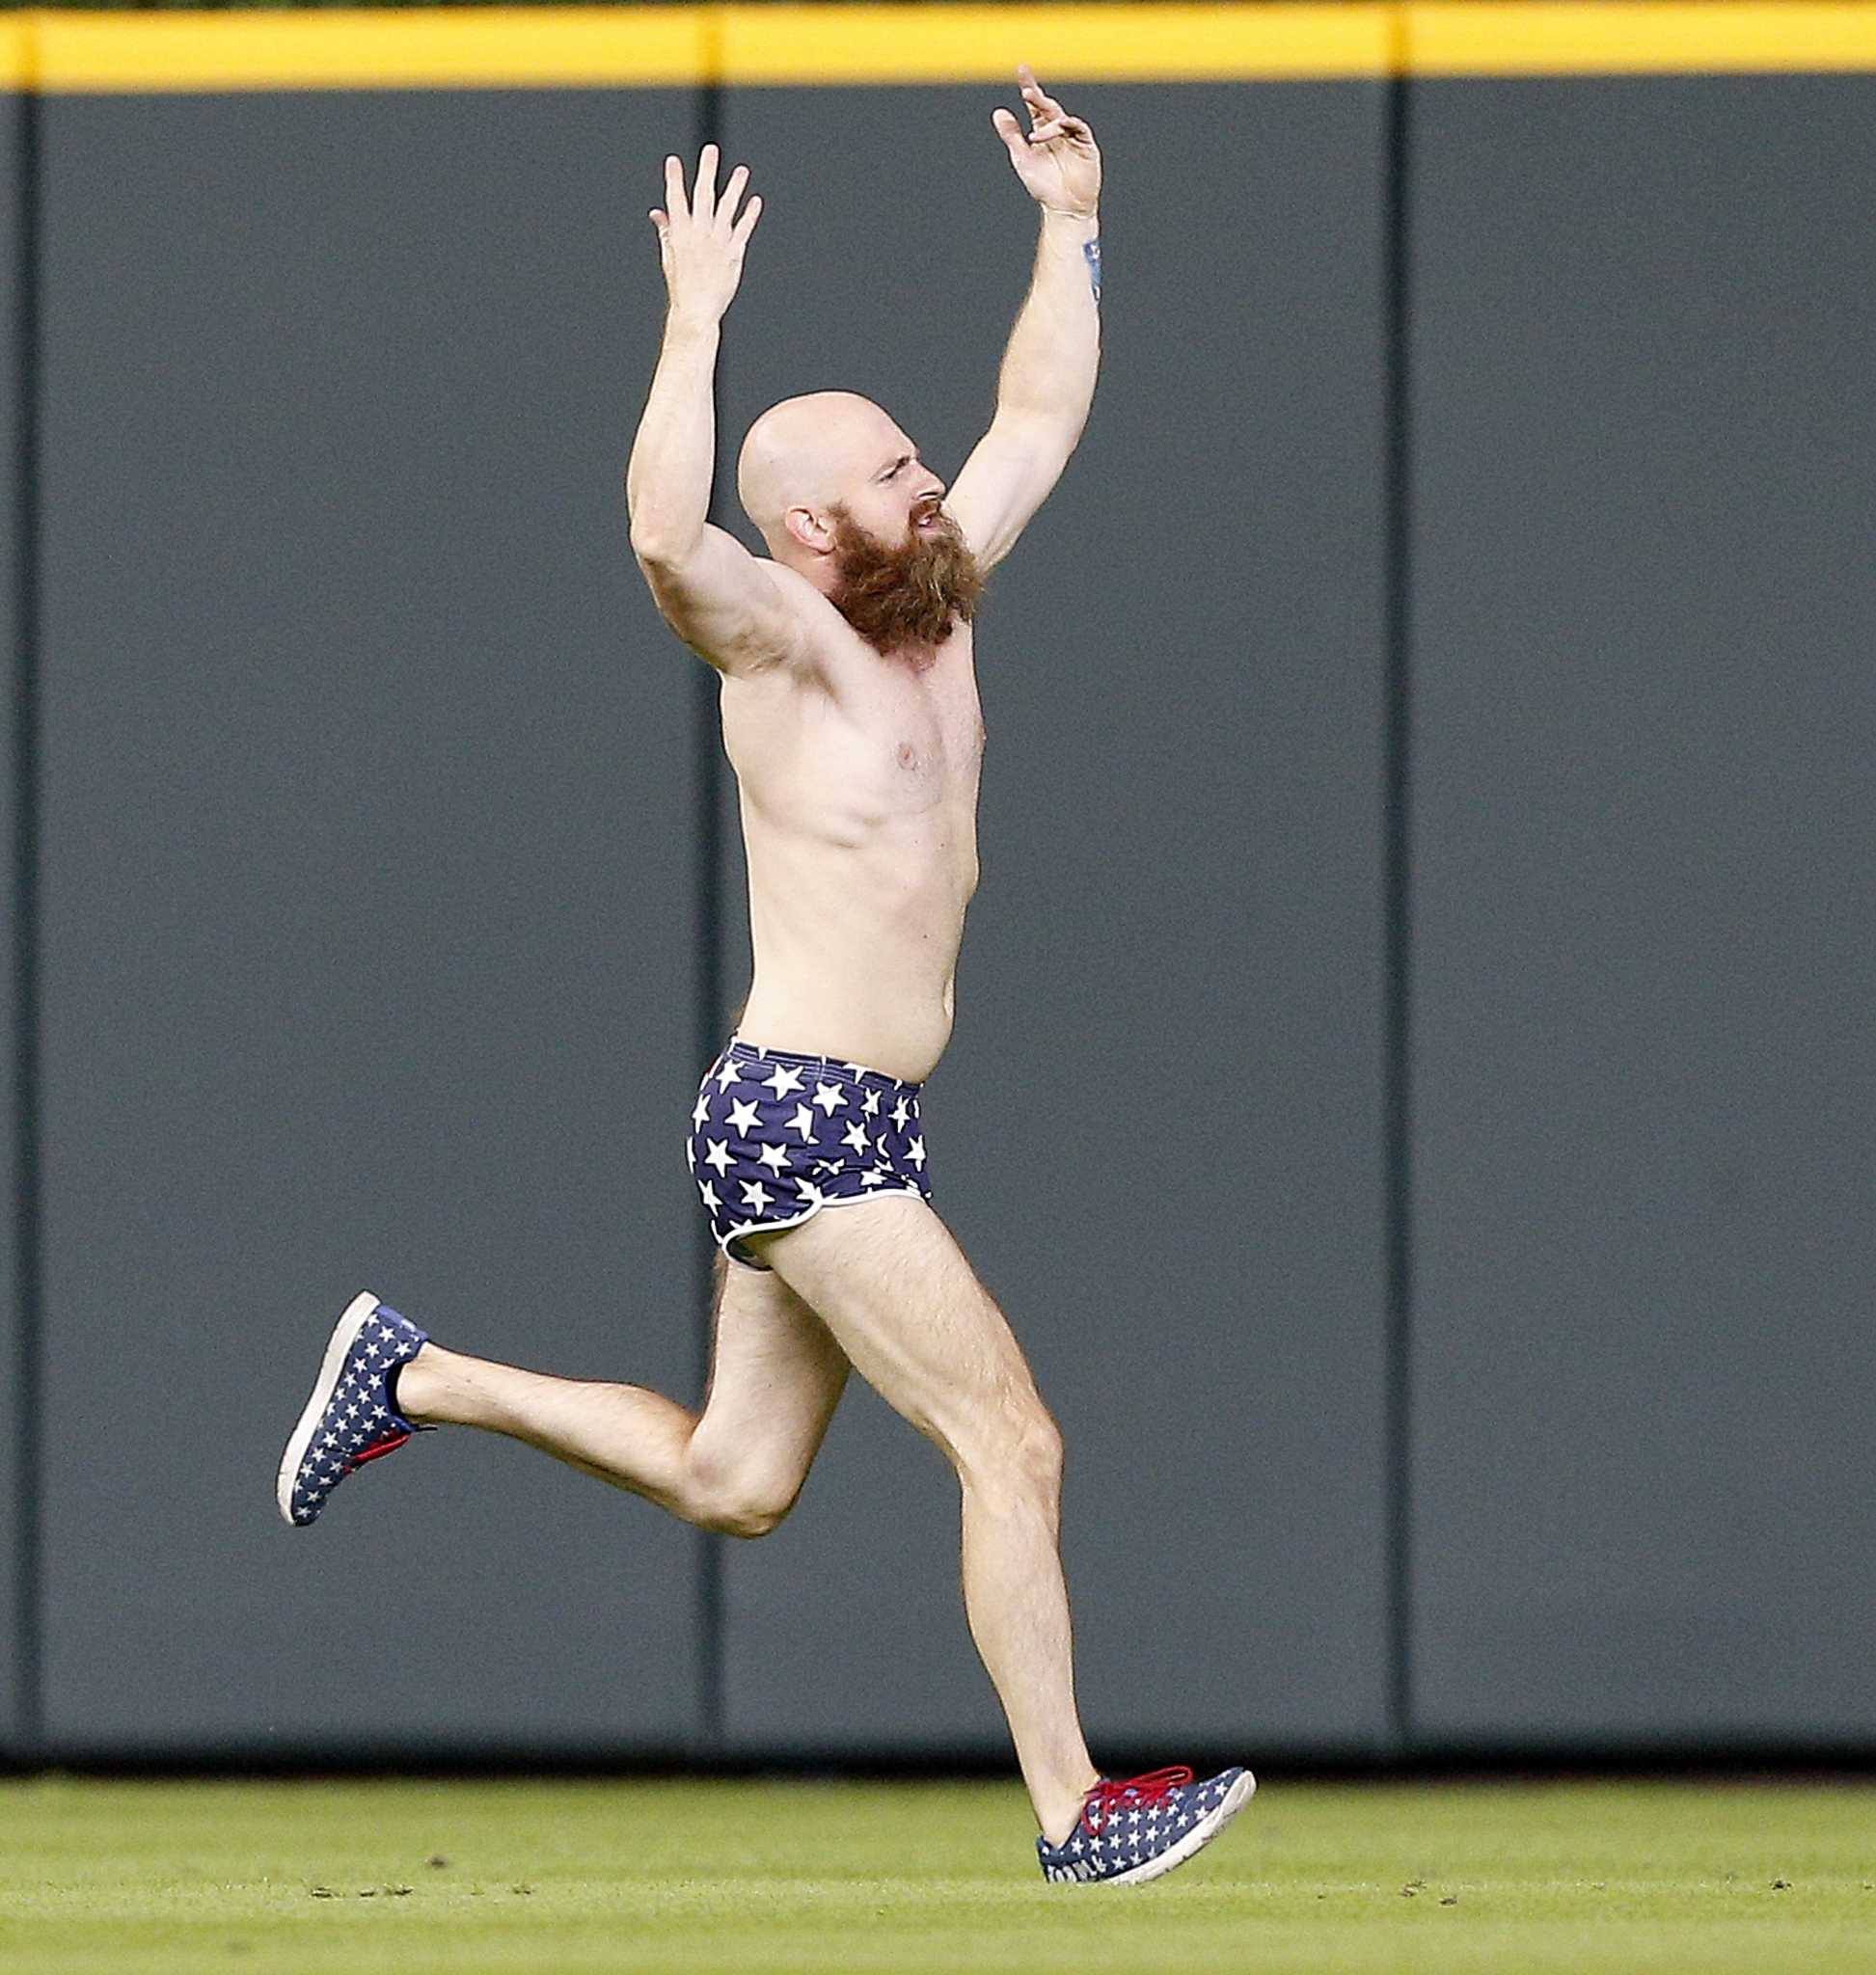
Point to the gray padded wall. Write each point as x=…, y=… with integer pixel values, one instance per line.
x=11, y=1477
x=1158, y=1131
x=370, y=903
x=1645, y=414
x=371, y=910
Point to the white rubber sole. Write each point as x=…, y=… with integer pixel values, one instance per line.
x=1196, y=1839
x=344, y=1334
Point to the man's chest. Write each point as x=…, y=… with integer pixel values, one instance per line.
x=913, y=736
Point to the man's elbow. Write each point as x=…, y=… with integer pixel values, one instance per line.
x=659, y=549
x=1043, y=431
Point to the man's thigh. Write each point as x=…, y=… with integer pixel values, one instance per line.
x=895, y=1291
x=776, y=1377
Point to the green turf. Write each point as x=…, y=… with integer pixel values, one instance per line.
x=1631, y=1880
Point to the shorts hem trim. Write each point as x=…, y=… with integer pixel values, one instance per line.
x=844, y=1200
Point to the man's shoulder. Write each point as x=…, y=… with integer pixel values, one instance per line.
x=791, y=582
x=828, y=641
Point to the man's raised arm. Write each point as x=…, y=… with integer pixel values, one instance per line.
x=1047, y=379
x=712, y=591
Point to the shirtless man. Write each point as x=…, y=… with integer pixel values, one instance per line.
x=849, y=713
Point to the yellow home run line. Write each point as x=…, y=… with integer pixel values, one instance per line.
x=1637, y=40
x=64, y=53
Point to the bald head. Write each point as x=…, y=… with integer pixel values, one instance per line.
x=808, y=452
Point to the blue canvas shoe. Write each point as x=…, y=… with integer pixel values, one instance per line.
x=349, y=1420
x=1135, y=1829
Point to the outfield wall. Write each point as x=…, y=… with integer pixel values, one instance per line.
x=1412, y=1083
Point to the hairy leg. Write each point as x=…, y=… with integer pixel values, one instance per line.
x=895, y=1291
x=775, y=1378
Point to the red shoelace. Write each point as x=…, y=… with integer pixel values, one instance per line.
x=1105, y=1799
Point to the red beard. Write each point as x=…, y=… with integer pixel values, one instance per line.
x=907, y=593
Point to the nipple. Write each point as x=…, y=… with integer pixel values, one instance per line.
x=908, y=755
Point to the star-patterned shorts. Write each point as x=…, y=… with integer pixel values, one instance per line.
x=776, y=1137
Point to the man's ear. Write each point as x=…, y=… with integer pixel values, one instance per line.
x=802, y=524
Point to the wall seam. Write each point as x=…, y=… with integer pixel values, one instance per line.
x=711, y=1020
x=28, y=1546
x=1397, y=882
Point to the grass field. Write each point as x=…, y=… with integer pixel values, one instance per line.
x=1630, y=1879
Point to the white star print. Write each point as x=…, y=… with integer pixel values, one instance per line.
x=829, y=1099
x=870, y=1104
x=803, y=1121
x=727, y=1074
x=742, y=1118
x=709, y=1193
x=872, y=1179
x=785, y=1079
x=702, y=1111
x=774, y=1158
x=918, y=1154
x=901, y=1111
x=811, y=1195
x=756, y=1195
x=717, y=1155
x=856, y=1136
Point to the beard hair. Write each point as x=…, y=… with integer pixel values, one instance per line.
x=908, y=592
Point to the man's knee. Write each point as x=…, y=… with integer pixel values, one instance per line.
x=738, y=1502
x=748, y=1519
x=1016, y=1449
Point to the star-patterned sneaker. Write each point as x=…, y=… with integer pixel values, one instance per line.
x=1135, y=1829
x=349, y=1420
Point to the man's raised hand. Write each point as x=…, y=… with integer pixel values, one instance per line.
x=1059, y=160
x=701, y=240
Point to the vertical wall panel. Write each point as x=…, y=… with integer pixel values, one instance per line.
x=11, y=1477
x=370, y=905
x=1644, y=1070
x=1158, y=1128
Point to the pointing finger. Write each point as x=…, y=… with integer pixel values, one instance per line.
x=1034, y=94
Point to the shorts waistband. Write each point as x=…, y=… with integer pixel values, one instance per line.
x=854, y=1073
